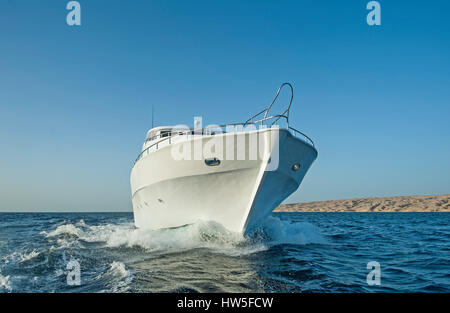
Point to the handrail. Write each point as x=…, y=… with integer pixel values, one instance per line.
x=148, y=148
x=251, y=121
x=299, y=132
x=202, y=132
x=266, y=110
x=290, y=102
x=251, y=118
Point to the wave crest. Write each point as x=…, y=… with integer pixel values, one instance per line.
x=202, y=234
x=66, y=229
x=20, y=257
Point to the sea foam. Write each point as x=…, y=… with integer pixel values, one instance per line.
x=202, y=234
x=5, y=283
x=19, y=257
x=68, y=229
x=119, y=275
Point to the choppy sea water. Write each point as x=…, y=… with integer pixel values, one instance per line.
x=293, y=252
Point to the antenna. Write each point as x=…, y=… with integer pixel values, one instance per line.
x=152, y=116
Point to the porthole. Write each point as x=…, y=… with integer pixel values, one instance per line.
x=212, y=162
x=296, y=167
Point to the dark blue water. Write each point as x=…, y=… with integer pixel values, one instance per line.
x=294, y=252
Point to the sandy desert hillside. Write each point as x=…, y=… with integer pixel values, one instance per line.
x=438, y=203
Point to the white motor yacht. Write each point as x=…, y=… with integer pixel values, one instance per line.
x=234, y=174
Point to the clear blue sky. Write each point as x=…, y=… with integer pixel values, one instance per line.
x=75, y=102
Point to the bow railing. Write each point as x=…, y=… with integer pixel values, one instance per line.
x=209, y=130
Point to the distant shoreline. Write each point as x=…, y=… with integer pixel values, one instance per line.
x=429, y=203
x=432, y=203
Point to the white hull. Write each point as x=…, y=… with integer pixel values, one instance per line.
x=239, y=194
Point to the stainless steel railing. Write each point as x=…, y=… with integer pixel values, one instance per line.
x=251, y=121
x=207, y=132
